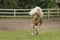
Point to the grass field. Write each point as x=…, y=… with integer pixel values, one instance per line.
x=26, y=35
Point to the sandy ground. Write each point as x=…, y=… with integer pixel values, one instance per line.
x=25, y=24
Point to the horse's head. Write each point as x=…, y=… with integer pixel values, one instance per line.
x=36, y=10
x=32, y=12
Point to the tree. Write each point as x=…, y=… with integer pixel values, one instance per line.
x=24, y=4
x=7, y=4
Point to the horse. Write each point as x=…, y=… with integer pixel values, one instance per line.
x=37, y=19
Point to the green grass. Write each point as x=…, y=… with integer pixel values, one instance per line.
x=26, y=35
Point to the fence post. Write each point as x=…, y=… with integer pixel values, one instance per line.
x=14, y=13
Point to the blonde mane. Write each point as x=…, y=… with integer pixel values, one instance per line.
x=36, y=9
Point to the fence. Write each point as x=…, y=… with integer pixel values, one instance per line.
x=24, y=13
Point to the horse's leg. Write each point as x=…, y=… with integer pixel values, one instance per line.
x=40, y=21
x=33, y=29
x=37, y=29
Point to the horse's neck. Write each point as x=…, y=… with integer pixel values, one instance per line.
x=37, y=15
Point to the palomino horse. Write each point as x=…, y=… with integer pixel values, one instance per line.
x=37, y=19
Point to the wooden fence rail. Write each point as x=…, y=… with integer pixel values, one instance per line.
x=24, y=12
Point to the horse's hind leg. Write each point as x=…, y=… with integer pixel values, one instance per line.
x=37, y=30
x=33, y=30
x=40, y=21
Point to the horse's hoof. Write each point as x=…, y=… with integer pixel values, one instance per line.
x=32, y=35
x=37, y=33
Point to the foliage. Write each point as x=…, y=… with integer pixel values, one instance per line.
x=16, y=4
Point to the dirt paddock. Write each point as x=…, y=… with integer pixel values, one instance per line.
x=25, y=24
